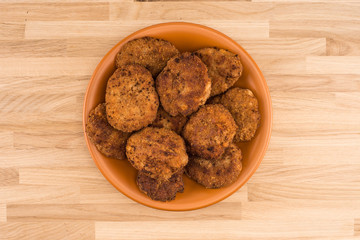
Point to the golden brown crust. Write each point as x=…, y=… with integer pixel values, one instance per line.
x=159, y=152
x=108, y=140
x=216, y=173
x=183, y=85
x=244, y=107
x=164, y=120
x=224, y=68
x=210, y=131
x=161, y=190
x=151, y=53
x=131, y=98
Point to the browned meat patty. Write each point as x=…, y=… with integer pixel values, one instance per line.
x=183, y=86
x=158, y=152
x=108, y=140
x=161, y=190
x=224, y=68
x=131, y=98
x=216, y=173
x=164, y=120
x=210, y=131
x=244, y=107
x=149, y=52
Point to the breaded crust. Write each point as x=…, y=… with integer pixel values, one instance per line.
x=158, y=152
x=108, y=140
x=151, y=53
x=161, y=190
x=131, y=98
x=216, y=173
x=224, y=68
x=164, y=120
x=244, y=107
x=183, y=86
x=210, y=131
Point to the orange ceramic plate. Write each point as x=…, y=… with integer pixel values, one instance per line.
x=186, y=37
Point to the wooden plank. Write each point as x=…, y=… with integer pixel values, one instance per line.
x=27, y=194
x=320, y=210
x=319, y=154
x=342, y=46
x=190, y=10
x=43, y=230
x=6, y=139
x=90, y=46
x=26, y=85
x=12, y=31
x=227, y=229
x=333, y=64
x=61, y=176
x=41, y=119
x=114, y=29
x=300, y=173
x=90, y=11
x=36, y=139
x=32, y=48
x=114, y=212
x=285, y=46
x=235, y=10
x=315, y=28
x=357, y=227
x=55, y=66
x=37, y=103
x=280, y=64
x=296, y=83
x=3, y=217
x=46, y=157
x=9, y=176
x=339, y=109
x=303, y=191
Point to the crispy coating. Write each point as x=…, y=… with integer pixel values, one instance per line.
x=131, y=98
x=216, y=173
x=161, y=190
x=244, y=107
x=151, y=53
x=108, y=140
x=158, y=152
x=210, y=131
x=183, y=86
x=224, y=68
x=164, y=120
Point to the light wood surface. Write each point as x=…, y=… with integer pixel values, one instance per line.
x=308, y=186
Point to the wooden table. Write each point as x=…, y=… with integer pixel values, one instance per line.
x=308, y=186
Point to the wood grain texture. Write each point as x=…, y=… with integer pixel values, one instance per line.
x=2, y=212
x=43, y=230
x=308, y=185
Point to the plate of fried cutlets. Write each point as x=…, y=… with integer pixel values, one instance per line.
x=174, y=127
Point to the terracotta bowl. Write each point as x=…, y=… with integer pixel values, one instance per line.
x=186, y=37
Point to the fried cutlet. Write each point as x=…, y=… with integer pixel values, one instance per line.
x=108, y=140
x=224, y=68
x=164, y=120
x=244, y=107
x=161, y=190
x=183, y=85
x=158, y=152
x=216, y=173
x=131, y=98
x=210, y=131
x=151, y=53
